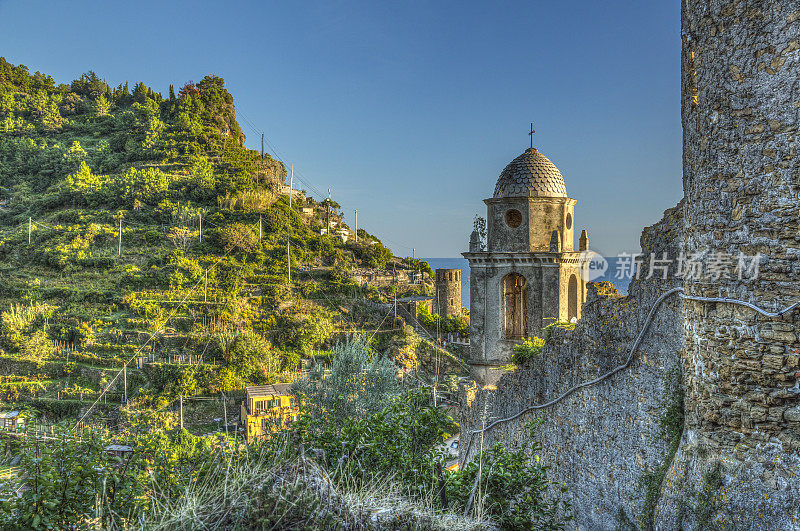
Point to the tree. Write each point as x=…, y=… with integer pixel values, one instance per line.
x=181, y=237
x=359, y=384
x=250, y=356
x=303, y=330
x=238, y=236
x=83, y=184
x=101, y=106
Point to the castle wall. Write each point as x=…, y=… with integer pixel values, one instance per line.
x=599, y=440
x=741, y=112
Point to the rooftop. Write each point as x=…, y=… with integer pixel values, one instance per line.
x=530, y=175
x=255, y=391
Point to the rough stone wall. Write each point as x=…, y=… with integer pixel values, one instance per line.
x=740, y=458
x=601, y=440
x=737, y=464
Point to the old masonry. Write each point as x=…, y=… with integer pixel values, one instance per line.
x=528, y=276
x=678, y=405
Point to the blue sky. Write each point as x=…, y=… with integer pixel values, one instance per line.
x=410, y=110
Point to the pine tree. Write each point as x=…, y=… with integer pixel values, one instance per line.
x=101, y=106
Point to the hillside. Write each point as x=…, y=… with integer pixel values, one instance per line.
x=125, y=215
x=144, y=284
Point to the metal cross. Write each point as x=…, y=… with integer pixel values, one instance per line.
x=531, y=135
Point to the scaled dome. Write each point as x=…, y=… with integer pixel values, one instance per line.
x=530, y=175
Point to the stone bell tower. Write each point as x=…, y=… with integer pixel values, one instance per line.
x=527, y=278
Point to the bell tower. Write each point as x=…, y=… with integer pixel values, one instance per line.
x=527, y=278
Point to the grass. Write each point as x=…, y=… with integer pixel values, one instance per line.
x=262, y=490
x=671, y=424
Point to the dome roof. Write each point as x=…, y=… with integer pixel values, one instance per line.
x=530, y=175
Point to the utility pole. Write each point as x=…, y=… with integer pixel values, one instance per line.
x=125, y=379
x=413, y=253
x=181, y=411
x=200, y=217
x=329, y=211
x=119, y=250
x=289, y=229
x=29, y=231
x=395, y=310
x=356, y=226
x=205, y=286
x=225, y=415
x=259, y=228
x=262, y=146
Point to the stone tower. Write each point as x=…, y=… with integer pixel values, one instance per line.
x=741, y=180
x=527, y=278
x=448, y=292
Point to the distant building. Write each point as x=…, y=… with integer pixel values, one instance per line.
x=414, y=304
x=528, y=276
x=307, y=211
x=267, y=408
x=123, y=451
x=448, y=292
x=12, y=421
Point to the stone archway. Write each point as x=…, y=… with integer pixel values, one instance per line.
x=515, y=306
x=572, y=297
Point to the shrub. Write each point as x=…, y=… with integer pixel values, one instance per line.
x=528, y=349
x=238, y=236
x=513, y=489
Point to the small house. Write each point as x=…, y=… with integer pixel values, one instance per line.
x=123, y=451
x=415, y=304
x=266, y=409
x=12, y=421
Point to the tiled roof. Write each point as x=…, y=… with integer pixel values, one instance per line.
x=530, y=175
x=269, y=390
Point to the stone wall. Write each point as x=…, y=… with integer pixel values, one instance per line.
x=740, y=457
x=599, y=441
x=737, y=461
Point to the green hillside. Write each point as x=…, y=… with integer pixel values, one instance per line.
x=137, y=231
x=201, y=262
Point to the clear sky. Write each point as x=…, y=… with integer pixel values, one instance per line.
x=410, y=110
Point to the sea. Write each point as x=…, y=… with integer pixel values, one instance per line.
x=461, y=263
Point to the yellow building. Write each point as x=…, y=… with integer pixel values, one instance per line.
x=267, y=408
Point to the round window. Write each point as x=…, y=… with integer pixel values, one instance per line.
x=513, y=218
x=569, y=221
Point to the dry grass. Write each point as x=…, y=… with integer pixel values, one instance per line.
x=250, y=200
x=263, y=492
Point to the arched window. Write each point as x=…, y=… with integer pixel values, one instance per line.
x=515, y=304
x=572, y=298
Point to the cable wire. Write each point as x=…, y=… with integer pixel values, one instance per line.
x=631, y=353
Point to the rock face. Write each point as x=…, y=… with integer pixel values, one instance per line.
x=738, y=458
